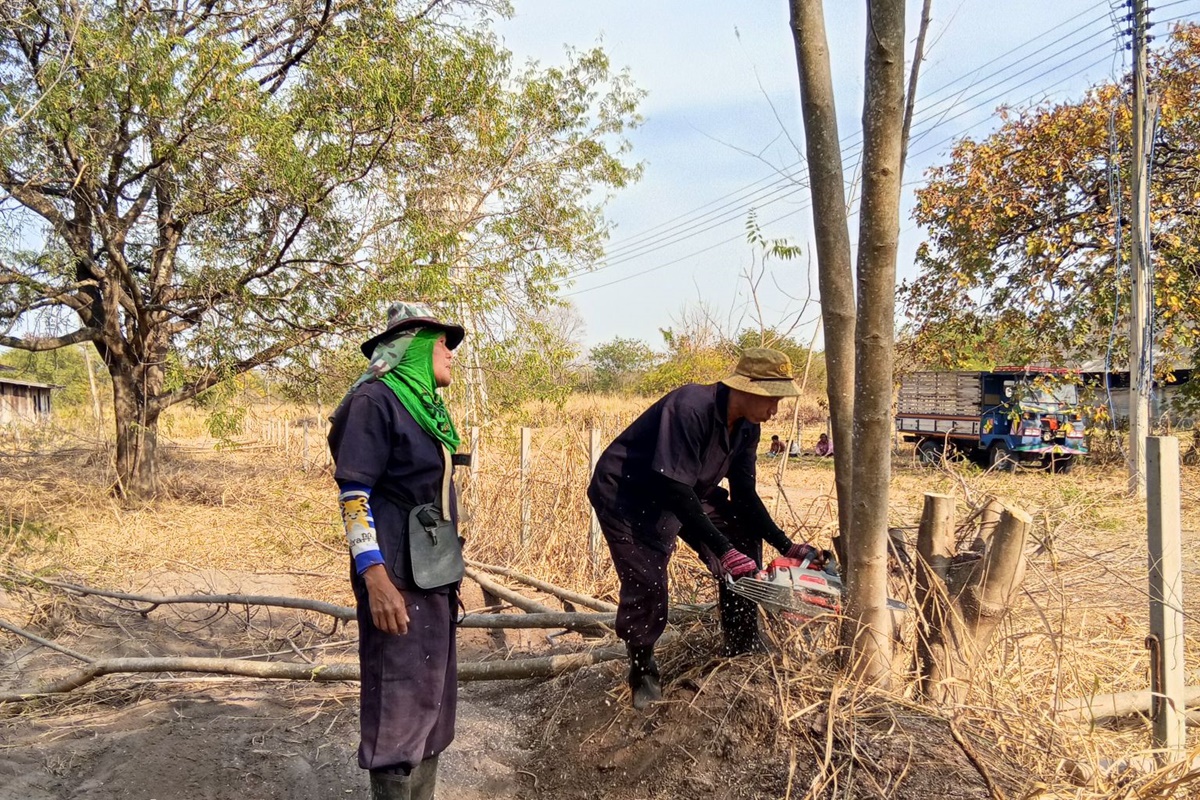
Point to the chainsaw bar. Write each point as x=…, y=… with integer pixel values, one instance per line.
x=792, y=586
x=797, y=587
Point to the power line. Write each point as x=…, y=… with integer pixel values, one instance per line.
x=781, y=193
x=776, y=178
x=787, y=185
x=803, y=205
x=851, y=146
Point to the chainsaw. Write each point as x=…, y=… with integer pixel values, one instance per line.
x=800, y=587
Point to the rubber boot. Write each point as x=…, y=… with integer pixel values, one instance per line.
x=424, y=779
x=391, y=785
x=643, y=676
x=739, y=624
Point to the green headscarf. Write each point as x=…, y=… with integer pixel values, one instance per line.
x=411, y=378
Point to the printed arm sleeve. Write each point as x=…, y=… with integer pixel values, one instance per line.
x=354, y=500
x=683, y=502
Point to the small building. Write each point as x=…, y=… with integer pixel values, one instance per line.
x=1112, y=389
x=23, y=401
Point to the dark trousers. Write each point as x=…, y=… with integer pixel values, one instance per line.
x=641, y=568
x=408, y=694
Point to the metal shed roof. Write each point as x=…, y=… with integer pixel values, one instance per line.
x=15, y=382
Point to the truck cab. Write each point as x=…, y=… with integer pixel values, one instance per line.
x=1030, y=417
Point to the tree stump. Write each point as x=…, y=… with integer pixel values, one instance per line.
x=963, y=597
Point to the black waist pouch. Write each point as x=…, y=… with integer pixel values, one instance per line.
x=434, y=550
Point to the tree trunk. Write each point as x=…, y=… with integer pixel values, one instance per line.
x=935, y=552
x=835, y=278
x=879, y=230
x=137, y=430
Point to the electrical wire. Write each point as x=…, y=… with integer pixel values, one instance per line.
x=804, y=204
x=787, y=185
x=802, y=184
x=741, y=197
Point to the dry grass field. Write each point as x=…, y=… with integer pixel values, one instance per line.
x=258, y=516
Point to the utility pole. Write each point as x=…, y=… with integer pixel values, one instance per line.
x=1140, y=380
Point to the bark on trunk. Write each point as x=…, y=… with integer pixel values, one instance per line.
x=137, y=430
x=935, y=614
x=879, y=230
x=835, y=278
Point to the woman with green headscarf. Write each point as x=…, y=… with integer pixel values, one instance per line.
x=391, y=440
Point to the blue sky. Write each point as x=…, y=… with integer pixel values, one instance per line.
x=722, y=124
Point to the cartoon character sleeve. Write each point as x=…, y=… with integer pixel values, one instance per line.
x=354, y=500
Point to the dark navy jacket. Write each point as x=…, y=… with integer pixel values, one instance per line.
x=375, y=441
x=685, y=437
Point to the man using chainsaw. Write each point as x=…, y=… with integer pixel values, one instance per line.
x=659, y=481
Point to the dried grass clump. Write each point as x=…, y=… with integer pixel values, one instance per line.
x=258, y=509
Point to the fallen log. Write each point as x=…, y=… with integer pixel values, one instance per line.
x=546, y=618
x=561, y=619
x=344, y=613
x=549, y=588
x=540, y=667
x=515, y=599
x=1104, y=708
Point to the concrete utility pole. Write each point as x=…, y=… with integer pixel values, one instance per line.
x=1140, y=380
x=1168, y=669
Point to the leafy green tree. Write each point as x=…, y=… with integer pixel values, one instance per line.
x=618, y=365
x=697, y=352
x=225, y=182
x=65, y=369
x=1025, y=260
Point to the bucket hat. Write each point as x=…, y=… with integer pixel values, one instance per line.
x=403, y=316
x=764, y=372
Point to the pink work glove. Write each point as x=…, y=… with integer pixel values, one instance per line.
x=800, y=552
x=737, y=565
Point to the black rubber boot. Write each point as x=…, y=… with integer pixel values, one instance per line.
x=424, y=779
x=739, y=624
x=643, y=676
x=391, y=785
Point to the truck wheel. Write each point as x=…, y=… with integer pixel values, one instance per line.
x=1062, y=464
x=929, y=453
x=1000, y=458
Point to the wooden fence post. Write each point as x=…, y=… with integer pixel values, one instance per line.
x=526, y=436
x=594, y=530
x=1167, y=710
x=475, y=455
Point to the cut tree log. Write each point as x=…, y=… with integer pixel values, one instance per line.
x=549, y=588
x=343, y=613
x=561, y=619
x=1103, y=708
x=508, y=595
x=541, y=667
x=548, y=618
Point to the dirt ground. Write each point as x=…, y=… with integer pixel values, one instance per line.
x=159, y=736
x=187, y=737
x=767, y=726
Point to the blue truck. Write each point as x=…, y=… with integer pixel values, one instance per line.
x=999, y=419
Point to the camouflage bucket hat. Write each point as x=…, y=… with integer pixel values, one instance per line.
x=764, y=372
x=404, y=316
